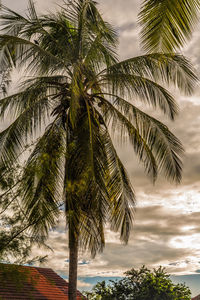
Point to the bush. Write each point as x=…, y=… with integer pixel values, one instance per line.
x=141, y=284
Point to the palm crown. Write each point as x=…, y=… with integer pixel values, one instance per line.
x=78, y=93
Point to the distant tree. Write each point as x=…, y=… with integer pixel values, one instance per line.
x=141, y=284
x=16, y=243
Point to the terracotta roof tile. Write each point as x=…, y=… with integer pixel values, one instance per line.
x=196, y=298
x=22, y=282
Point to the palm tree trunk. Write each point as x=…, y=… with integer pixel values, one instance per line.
x=73, y=265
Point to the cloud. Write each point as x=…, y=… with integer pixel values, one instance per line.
x=41, y=5
x=81, y=284
x=118, y=12
x=169, y=238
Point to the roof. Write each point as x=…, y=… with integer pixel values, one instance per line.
x=23, y=282
x=196, y=298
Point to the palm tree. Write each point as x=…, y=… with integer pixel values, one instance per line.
x=78, y=93
x=167, y=24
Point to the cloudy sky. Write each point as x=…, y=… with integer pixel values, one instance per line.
x=167, y=225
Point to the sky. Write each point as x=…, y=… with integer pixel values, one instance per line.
x=167, y=223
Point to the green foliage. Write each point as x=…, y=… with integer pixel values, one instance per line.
x=167, y=24
x=16, y=241
x=141, y=284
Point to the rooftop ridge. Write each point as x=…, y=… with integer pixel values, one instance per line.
x=40, y=283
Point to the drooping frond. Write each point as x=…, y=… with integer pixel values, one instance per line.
x=31, y=54
x=120, y=124
x=15, y=104
x=12, y=22
x=43, y=179
x=144, y=89
x=14, y=138
x=92, y=232
x=167, y=24
x=122, y=215
x=165, y=147
x=167, y=68
x=122, y=200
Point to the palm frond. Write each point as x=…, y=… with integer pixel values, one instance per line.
x=143, y=88
x=92, y=233
x=127, y=129
x=12, y=22
x=99, y=54
x=167, y=24
x=14, y=138
x=169, y=68
x=166, y=148
x=80, y=11
x=25, y=50
x=15, y=104
x=43, y=179
x=32, y=14
x=121, y=194
x=93, y=219
x=32, y=90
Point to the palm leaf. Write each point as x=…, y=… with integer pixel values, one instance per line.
x=43, y=179
x=145, y=89
x=11, y=21
x=140, y=145
x=14, y=138
x=167, y=24
x=169, y=68
x=166, y=148
x=25, y=50
x=121, y=195
x=99, y=53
